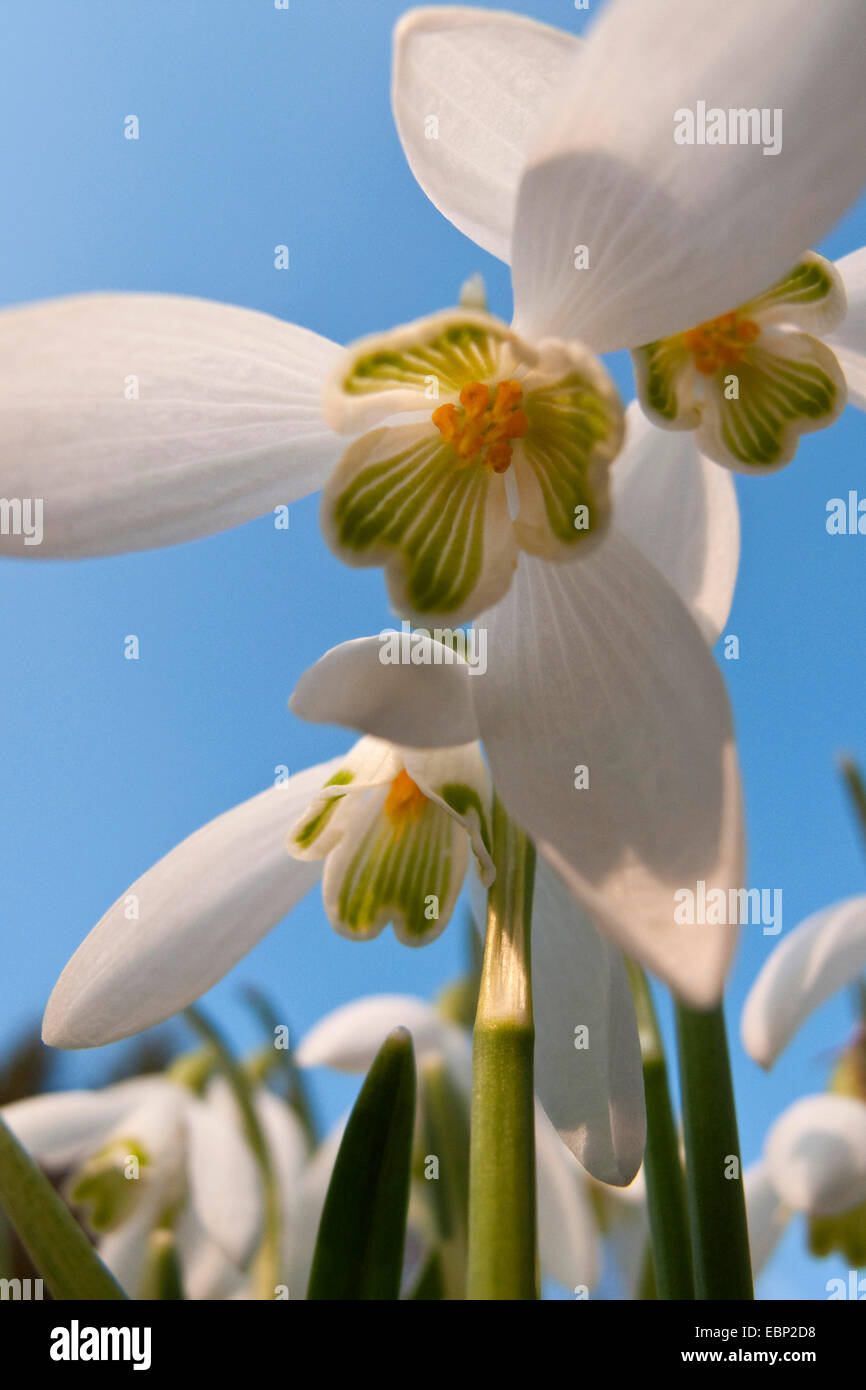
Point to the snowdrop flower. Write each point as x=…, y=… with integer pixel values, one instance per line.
x=815, y=1156
x=147, y=420
x=823, y=954
x=390, y=832
x=814, y=1164
x=148, y=1155
x=564, y=158
x=348, y=1040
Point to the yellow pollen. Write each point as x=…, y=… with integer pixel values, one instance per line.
x=404, y=797
x=721, y=342
x=481, y=432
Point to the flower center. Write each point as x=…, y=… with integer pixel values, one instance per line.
x=720, y=343
x=404, y=798
x=481, y=432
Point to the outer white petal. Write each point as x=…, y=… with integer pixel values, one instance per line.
x=485, y=77
x=680, y=509
x=680, y=233
x=821, y=955
x=124, y=1251
x=62, y=1127
x=593, y=1095
x=423, y=705
x=601, y=665
x=849, y=340
x=567, y=1240
x=767, y=1214
x=816, y=1154
x=200, y=908
x=223, y=1178
x=206, y=1272
x=225, y=423
x=349, y=1038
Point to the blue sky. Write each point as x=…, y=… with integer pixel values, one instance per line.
x=260, y=127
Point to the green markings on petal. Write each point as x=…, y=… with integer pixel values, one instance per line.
x=779, y=398
x=454, y=354
x=572, y=428
x=845, y=1233
x=312, y=828
x=107, y=1186
x=464, y=800
x=422, y=505
x=658, y=368
x=401, y=871
x=811, y=280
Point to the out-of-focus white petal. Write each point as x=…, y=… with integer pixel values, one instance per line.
x=143, y=420
x=468, y=88
x=312, y=1191
x=680, y=509
x=373, y=685
x=821, y=955
x=349, y=1038
x=124, y=1251
x=196, y=913
x=679, y=233
x=223, y=1177
x=588, y=1069
x=767, y=1215
x=567, y=1241
x=600, y=666
x=816, y=1154
x=849, y=340
x=61, y=1127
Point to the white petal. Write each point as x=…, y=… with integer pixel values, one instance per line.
x=680, y=233
x=485, y=78
x=680, y=509
x=62, y=1127
x=600, y=665
x=200, y=909
x=767, y=1215
x=312, y=1191
x=223, y=1177
x=349, y=1038
x=124, y=1251
x=592, y=1093
x=816, y=1155
x=226, y=423
x=567, y=1241
x=821, y=955
x=372, y=685
x=849, y=340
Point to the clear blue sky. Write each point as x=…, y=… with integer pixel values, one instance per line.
x=261, y=127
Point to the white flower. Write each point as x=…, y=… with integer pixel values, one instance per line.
x=148, y=1154
x=210, y=899
x=560, y=156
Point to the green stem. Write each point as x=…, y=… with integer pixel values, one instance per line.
x=268, y=1259
x=53, y=1238
x=717, y=1204
x=853, y=779
x=666, y=1192
x=502, y=1217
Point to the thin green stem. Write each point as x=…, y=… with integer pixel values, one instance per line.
x=53, y=1238
x=502, y=1218
x=717, y=1203
x=666, y=1191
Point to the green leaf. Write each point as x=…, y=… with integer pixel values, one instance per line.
x=54, y=1240
x=359, y=1250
